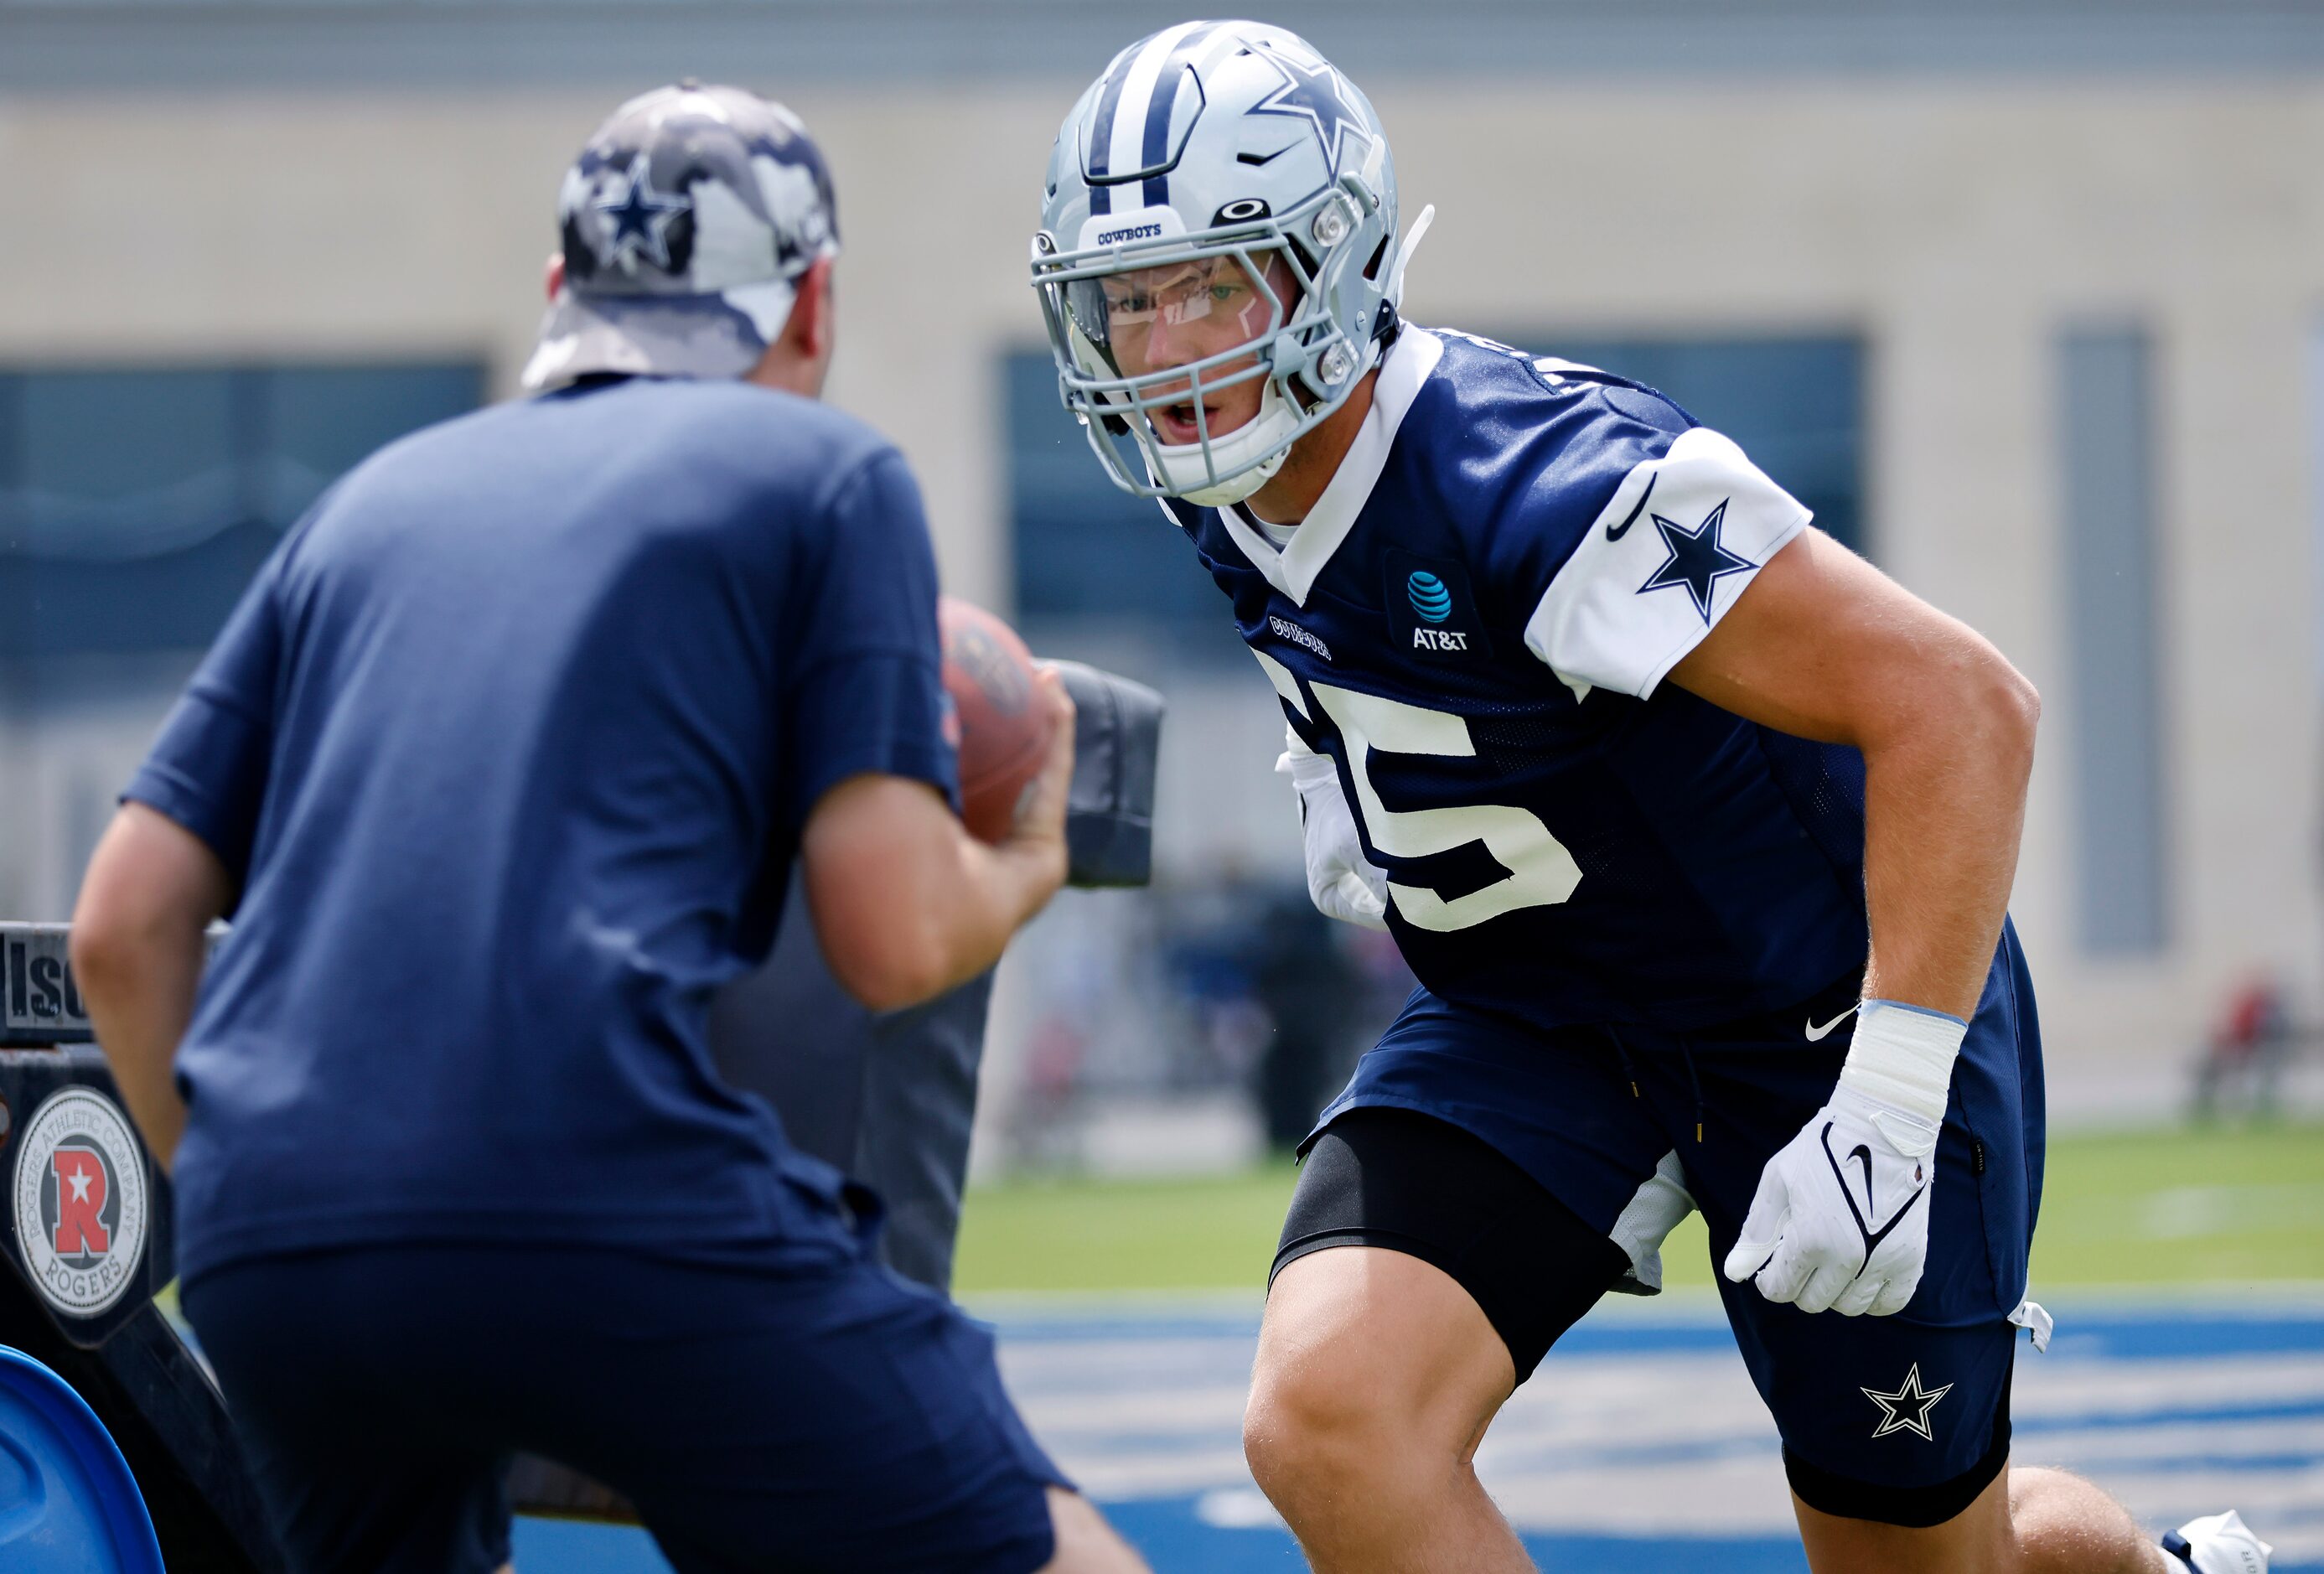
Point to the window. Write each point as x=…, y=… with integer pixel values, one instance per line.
x=1796, y=405
x=2120, y=834
x=134, y=504
x=1093, y=563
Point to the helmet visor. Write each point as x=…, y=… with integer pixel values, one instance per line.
x=1178, y=349
x=1178, y=353
x=1158, y=319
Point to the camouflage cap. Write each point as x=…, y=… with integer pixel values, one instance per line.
x=685, y=222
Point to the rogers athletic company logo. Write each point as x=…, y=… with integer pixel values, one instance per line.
x=79, y=1200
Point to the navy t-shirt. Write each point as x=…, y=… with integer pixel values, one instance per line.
x=510, y=746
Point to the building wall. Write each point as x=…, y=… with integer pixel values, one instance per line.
x=1962, y=226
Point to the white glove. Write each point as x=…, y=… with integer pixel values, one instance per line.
x=1840, y=1220
x=1340, y=881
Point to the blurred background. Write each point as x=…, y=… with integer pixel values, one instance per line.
x=2025, y=298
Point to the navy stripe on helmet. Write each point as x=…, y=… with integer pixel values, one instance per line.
x=1158, y=106
x=1100, y=154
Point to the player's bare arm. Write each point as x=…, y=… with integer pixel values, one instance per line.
x=906, y=904
x=1826, y=647
x=152, y=889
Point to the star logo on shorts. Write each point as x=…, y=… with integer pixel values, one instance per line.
x=1907, y=1408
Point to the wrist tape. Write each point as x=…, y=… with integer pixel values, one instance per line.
x=1903, y=1056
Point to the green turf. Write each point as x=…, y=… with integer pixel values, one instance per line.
x=1217, y=1232
x=2205, y=1205
x=2212, y=1204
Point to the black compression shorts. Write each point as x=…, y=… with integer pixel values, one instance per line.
x=1409, y=1183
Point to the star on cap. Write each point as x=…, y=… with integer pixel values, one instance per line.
x=642, y=216
x=1696, y=559
x=1312, y=94
x=1907, y=1408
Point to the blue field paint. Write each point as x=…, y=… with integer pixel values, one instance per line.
x=1142, y=1401
x=1175, y=1541
x=557, y=1546
x=1171, y=1529
x=2142, y=1333
x=2161, y=1334
x=1173, y=1538
x=2310, y=1409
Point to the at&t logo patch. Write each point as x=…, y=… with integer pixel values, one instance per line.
x=79, y=1200
x=1431, y=611
x=1429, y=597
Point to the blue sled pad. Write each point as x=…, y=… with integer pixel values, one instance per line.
x=67, y=1502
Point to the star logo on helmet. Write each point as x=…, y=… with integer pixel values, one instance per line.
x=642, y=216
x=1317, y=95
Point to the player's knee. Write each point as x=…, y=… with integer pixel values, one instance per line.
x=2038, y=1487
x=1316, y=1426
x=2059, y=1521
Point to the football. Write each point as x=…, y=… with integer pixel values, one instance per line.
x=1004, y=731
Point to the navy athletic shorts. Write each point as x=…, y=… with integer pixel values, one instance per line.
x=1902, y=1419
x=761, y=1415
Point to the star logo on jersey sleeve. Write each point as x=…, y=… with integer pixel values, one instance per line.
x=642, y=216
x=1696, y=559
x=1907, y=1408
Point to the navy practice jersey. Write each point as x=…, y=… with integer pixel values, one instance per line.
x=1474, y=621
x=509, y=746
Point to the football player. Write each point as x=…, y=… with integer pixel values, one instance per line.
x=1696, y=829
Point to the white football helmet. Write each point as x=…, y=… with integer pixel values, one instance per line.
x=1219, y=212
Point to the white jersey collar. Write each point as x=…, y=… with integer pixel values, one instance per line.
x=1403, y=371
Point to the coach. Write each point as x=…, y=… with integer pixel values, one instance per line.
x=502, y=766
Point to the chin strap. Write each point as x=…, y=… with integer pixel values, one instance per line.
x=1395, y=290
